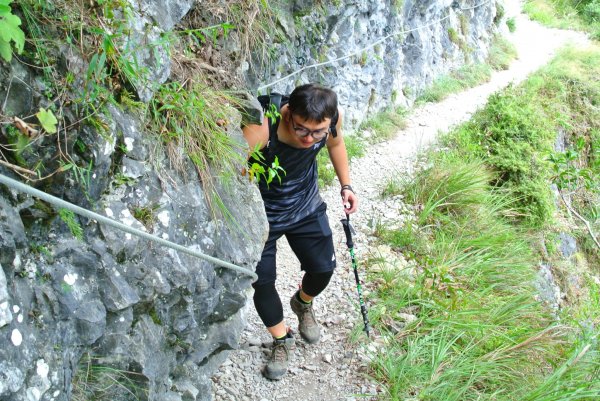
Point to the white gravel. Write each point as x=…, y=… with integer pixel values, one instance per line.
x=337, y=368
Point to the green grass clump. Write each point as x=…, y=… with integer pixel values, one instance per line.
x=511, y=23
x=355, y=146
x=510, y=133
x=69, y=218
x=96, y=380
x=516, y=131
x=453, y=36
x=501, y=53
x=192, y=123
x=545, y=12
x=566, y=14
x=384, y=125
x=478, y=334
x=465, y=77
x=392, y=187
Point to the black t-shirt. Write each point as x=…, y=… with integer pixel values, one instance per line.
x=298, y=194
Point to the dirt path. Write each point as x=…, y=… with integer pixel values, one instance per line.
x=335, y=368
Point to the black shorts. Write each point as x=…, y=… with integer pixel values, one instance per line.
x=310, y=239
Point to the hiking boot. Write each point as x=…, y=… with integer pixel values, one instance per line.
x=277, y=364
x=309, y=328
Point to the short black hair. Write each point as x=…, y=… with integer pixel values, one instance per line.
x=313, y=102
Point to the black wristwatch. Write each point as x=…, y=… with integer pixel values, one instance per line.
x=348, y=187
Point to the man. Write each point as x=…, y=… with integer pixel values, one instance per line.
x=295, y=209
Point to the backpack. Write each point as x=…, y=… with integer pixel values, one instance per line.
x=279, y=100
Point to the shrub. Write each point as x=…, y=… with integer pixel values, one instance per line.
x=511, y=23
x=591, y=12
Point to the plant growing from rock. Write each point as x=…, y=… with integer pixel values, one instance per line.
x=192, y=122
x=11, y=34
x=98, y=380
x=68, y=217
x=260, y=170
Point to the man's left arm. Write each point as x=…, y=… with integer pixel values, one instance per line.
x=339, y=158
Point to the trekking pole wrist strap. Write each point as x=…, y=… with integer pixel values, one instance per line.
x=346, y=187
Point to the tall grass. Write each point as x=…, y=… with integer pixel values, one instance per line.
x=478, y=331
x=384, y=125
x=192, y=128
x=516, y=130
x=95, y=380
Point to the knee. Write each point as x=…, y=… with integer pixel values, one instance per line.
x=268, y=304
x=314, y=283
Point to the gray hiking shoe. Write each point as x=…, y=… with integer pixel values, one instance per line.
x=278, y=362
x=309, y=328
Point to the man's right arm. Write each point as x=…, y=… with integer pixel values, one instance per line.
x=257, y=135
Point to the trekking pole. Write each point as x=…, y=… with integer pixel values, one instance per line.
x=363, y=308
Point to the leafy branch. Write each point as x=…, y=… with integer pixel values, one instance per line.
x=260, y=170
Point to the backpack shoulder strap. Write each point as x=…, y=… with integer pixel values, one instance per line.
x=334, y=121
x=276, y=99
x=269, y=101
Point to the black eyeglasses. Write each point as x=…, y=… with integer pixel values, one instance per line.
x=304, y=132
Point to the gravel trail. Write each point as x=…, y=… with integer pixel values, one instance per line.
x=335, y=368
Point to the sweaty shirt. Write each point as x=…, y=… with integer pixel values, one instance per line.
x=297, y=196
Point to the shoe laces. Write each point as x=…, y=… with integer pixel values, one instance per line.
x=280, y=352
x=308, y=315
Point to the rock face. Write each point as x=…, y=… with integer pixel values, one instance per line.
x=162, y=319
x=385, y=52
x=136, y=305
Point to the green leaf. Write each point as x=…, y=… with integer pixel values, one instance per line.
x=92, y=65
x=19, y=40
x=47, y=120
x=226, y=28
x=258, y=168
x=200, y=36
x=10, y=31
x=272, y=174
x=5, y=51
x=166, y=107
x=66, y=166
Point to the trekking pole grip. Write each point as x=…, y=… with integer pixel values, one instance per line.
x=348, y=231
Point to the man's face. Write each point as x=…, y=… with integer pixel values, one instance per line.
x=308, y=132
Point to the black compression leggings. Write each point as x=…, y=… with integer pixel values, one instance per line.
x=267, y=301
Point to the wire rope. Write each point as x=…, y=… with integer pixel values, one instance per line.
x=19, y=186
x=357, y=52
